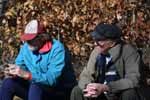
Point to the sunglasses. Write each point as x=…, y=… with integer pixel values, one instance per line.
x=98, y=44
x=103, y=43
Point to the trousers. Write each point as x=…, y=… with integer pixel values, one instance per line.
x=129, y=94
x=30, y=91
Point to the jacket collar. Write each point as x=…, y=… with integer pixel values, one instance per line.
x=115, y=51
x=46, y=47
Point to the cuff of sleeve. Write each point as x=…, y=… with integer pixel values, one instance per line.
x=30, y=76
x=110, y=87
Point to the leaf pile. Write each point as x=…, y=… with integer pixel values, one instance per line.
x=71, y=21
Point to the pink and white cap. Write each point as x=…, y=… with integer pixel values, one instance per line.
x=32, y=29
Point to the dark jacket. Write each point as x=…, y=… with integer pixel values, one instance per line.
x=127, y=65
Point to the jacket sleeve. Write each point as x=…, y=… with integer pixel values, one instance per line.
x=54, y=68
x=86, y=75
x=131, y=59
x=19, y=59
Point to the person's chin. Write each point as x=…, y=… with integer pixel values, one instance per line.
x=102, y=51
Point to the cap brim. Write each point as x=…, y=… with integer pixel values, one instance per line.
x=26, y=37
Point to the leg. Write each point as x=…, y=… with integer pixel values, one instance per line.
x=77, y=94
x=35, y=92
x=44, y=92
x=11, y=87
x=129, y=94
x=67, y=94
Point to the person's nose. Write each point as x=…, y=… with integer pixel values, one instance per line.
x=100, y=44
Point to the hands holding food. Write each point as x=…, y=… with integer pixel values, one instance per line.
x=14, y=70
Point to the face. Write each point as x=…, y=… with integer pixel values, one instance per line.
x=104, y=45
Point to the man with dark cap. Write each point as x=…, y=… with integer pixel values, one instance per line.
x=112, y=72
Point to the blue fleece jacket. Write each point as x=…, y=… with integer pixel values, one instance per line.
x=46, y=68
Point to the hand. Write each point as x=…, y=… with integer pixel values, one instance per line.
x=95, y=89
x=8, y=70
x=15, y=70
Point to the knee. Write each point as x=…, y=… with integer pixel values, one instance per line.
x=129, y=94
x=34, y=86
x=77, y=94
x=76, y=90
x=8, y=83
x=34, y=90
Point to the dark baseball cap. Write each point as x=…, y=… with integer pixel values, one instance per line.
x=106, y=31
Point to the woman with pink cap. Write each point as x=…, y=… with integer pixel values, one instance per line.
x=42, y=68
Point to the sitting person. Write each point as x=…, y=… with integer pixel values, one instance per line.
x=42, y=69
x=112, y=71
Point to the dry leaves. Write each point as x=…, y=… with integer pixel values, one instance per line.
x=72, y=20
